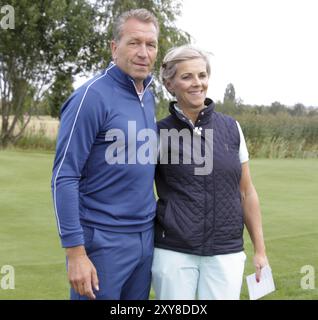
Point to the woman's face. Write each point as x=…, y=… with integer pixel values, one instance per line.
x=190, y=83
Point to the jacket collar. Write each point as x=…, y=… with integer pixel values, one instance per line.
x=204, y=115
x=124, y=80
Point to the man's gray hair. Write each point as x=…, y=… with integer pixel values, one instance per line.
x=142, y=15
x=178, y=54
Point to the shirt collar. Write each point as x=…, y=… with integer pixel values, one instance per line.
x=125, y=80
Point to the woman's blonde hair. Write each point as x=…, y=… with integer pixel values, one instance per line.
x=178, y=54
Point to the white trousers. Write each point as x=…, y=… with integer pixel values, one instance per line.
x=181, y=276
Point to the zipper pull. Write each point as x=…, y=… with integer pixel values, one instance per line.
x=163, y=234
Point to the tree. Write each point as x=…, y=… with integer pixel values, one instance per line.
x=277, y=107
x=229, y=102
x=229, y=95
x=54, y=40
x=60, y=91
x=298, y=110
x=49, y=36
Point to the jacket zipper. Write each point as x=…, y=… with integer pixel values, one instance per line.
x=141, y=102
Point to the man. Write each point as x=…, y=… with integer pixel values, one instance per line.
x=105, y=209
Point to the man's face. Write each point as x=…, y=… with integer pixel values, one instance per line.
x=135, y=53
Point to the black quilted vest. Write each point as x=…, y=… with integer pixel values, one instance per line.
x=201, y=214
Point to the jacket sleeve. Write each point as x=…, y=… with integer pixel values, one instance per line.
x=82, y=116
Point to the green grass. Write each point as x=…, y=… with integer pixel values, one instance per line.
x=30, y=243
x=288, y=195
x=28, y=233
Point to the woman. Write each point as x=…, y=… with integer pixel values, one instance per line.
x=200, y=218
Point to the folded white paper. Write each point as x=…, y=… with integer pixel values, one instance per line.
x=266, y=285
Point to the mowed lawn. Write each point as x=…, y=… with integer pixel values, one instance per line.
x=29, y=240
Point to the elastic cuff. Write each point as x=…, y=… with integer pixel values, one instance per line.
x=72, y=240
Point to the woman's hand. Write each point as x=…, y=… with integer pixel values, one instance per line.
x=259, y=261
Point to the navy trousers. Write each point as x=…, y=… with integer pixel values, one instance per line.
x=123, y=263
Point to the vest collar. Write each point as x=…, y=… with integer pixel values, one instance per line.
x=204, y=115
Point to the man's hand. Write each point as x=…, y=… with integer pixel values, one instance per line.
x=82, y=274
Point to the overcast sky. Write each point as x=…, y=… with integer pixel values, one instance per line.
x=267, y=48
